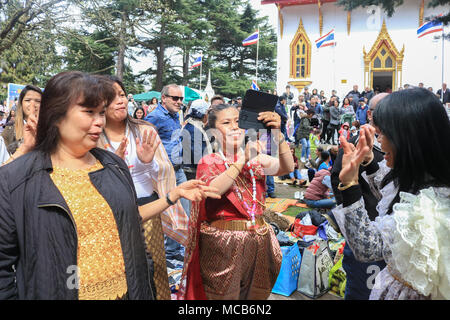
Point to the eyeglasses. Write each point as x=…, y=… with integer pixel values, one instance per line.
x=176, y=98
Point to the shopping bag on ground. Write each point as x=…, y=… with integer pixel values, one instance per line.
x=290, y=266
x=337, y=279
x=314, y=270
x=301, y=229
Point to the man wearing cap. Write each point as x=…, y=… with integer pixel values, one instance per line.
x=361, y=112
x=195, y=140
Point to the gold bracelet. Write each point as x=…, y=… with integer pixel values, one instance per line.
x=236, y=167
x=341, y=187
x=368, y=162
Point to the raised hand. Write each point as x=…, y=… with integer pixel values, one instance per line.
x=194, y=190
x=353, y=157
x=146, y=148
x=370, y=137
x=121, y=150
x=29, y=133
x=270, y=119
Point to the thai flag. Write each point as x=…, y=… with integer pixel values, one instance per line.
x=255, y=86
x=252, y=39
x=197, y=62
x=326, y=40
x=429, y=27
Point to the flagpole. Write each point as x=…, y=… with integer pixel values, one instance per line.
x=443, y=44
x=257, y=56
x=201, y=73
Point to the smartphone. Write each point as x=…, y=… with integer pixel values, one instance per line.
x=255, y=102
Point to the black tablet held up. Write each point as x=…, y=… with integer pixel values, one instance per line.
x=253, y=103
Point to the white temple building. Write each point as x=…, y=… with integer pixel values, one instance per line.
x=371, y=48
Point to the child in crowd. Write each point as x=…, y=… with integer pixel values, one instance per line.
x=325, y=161
x=314, y=142
x=295, y=175
x=345, y=131
x=353, y=132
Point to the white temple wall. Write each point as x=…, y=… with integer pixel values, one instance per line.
x=330, y=65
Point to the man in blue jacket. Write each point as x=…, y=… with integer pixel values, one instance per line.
x=361, y=112
x=167, y=122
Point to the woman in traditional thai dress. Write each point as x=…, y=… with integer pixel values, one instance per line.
x=233, y=253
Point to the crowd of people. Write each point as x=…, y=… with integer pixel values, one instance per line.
x=99, y=192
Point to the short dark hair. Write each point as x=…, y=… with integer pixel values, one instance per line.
x=212, y=113
x=324, y=155
x=217, y=97
x=63, y=91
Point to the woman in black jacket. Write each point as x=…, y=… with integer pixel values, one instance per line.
x=70, y=227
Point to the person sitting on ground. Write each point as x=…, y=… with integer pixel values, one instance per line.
x=296, y=175
x=325, y=159
x=317, y=193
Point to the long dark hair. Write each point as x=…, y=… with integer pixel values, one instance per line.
x=20, y=115
x=418, y=127
x=135, y=112
x=132, y=123
x=63, y=91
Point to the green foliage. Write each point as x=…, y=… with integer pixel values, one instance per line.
x=389, y=6
x=105, y=32
x=33, y=59
x=90, y=52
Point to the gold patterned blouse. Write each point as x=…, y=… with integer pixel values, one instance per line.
x=100, y=260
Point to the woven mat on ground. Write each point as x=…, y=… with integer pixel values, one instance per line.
x=278, y=180
x=279, y=205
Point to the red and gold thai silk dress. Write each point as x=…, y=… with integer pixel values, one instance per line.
x=226, y=257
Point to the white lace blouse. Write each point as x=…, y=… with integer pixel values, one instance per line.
x=414, y=240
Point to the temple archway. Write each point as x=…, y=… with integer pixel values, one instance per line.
x=383, y=63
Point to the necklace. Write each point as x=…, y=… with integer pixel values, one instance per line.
x=251, y=210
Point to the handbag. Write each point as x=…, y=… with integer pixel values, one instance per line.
x=290, y=267
x=314, y=270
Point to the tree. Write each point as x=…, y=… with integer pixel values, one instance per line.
x=116, y=19
x=390, y=5
x=33, y=59
x=156, y=36
x=19, y=17
x=90, y=52
x=232, y=64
